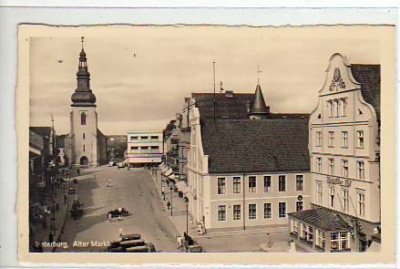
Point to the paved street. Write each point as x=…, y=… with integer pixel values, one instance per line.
x=132, y=189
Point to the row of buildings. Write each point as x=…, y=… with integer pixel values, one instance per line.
x=318, y=173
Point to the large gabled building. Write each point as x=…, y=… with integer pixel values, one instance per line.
x=344, y=149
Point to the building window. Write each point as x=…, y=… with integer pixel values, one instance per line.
x=267, y=183
x=361, y=203
x=267, y=211
x=360, y=139
x=337, y=103
x=282, y=210
x=345, y=139
x=282, y=183
x=83, y=136
x=154, y=137
x=307, y=233
x=134, y=148
x=236, y=185
x=144, y=137
x=221, y=185
x=319, y=139
x=252, y=211
x=83, y=118
x=332, y=196
x=320, y=236
x=331, y=137
x=252, y=184
x=299, y=206
x=344, y=107
x=133, y=138
x=331, y=166
x=339, y=241
x=360, y=170
x=236, y=212
x=345, y=168
x=221, y=213
x=319, y=192
x=299, y=182
x=144, y=148
x=155, y=147
x=346, y=204
x=330, y=108
x=319, y=164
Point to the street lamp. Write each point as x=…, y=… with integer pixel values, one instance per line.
x=171, y=190
x=187, y=214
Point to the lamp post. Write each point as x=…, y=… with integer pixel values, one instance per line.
x=171, y=190
x=187, y=214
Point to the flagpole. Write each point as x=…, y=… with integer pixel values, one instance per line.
x=214, y=87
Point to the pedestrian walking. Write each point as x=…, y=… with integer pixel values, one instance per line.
x=51, y=239
x=65, y=199
x=110, y=217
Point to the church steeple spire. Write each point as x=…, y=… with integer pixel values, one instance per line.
x=83, y=95
x=258, y=108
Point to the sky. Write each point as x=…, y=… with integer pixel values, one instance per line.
x=141, y=74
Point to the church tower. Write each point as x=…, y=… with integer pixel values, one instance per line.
x=83, y=117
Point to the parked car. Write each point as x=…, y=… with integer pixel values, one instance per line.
x=111, y=163
x=120, y=165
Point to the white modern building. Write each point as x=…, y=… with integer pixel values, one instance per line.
x=344, y=150
x=144, y=148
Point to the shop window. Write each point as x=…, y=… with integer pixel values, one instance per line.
x=339, y=241
x=320, y=239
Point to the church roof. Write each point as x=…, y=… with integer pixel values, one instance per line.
x=245, y=146
x=370, y=78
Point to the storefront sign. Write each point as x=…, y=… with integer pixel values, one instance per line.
x=339, y=181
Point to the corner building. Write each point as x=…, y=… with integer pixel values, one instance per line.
x=344, y=154
x=247, y=167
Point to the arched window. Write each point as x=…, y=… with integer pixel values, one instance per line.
x=83, y=118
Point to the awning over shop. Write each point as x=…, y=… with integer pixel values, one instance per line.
x=182, y=186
